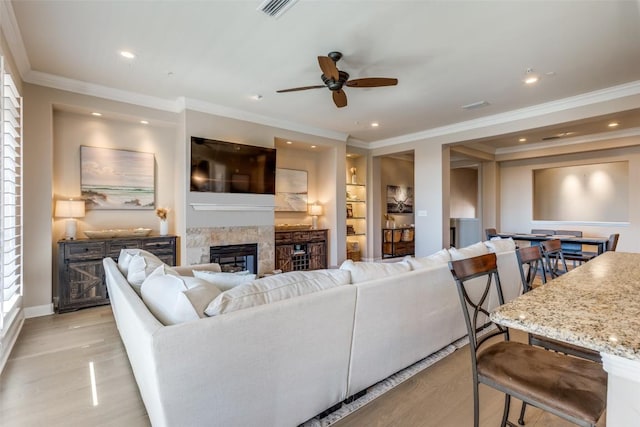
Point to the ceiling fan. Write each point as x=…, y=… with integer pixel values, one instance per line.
x=335, y=79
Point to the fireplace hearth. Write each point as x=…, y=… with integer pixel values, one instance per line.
x=233, y=258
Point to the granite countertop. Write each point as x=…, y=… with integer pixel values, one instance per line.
x=596, y=306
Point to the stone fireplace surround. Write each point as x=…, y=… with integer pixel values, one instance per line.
x=199, y=241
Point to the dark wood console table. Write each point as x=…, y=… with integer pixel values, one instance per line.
x=301, y=250
x=81, y=275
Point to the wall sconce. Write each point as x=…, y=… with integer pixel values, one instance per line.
x=70, y=209
x=315, y=210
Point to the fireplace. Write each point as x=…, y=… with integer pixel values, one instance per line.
x=234, y=258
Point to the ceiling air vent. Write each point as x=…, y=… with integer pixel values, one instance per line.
x=275, y=8
x=475, y=105
x=551, y=138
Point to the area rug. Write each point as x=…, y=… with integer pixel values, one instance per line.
x=385, y=385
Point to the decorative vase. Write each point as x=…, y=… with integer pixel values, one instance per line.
x=164, y=227
x=354, y=179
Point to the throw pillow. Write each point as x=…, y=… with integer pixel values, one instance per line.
x=172, y=301
x=225, y=281
x=434, y=260
x=470, y=251
x=141, y=265
x=364, y=271
x=187, y=270
x=276, y=288
x=124, y=259
x=501, y=245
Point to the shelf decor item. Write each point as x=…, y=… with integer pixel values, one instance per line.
x=164, y=223
x=354, y=177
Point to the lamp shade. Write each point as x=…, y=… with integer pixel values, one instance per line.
x=70, y=208
x=315, y=210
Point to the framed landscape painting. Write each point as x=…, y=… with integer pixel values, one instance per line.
x=291, y=190
x=399, y=199
x=117, y=179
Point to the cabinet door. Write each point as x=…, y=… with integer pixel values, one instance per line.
x=83, y=285
x=284, y=255
x=317, y=255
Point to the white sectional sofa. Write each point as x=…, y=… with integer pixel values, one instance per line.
x=284, y=362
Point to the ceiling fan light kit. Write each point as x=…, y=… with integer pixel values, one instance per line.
x=335, y=79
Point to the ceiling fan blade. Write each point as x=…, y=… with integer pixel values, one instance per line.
x=340, y=98
x=300, y=88
x=372, y=82
x=328, y=67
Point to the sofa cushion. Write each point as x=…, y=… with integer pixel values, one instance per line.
x=124, y=259
x=364, y=271
x=225, y=281
x=276, y=288
x=434, y=260
x=171, y=300
x=141, y=265
x=470, y=251
x=187, y=270
x=499, y=245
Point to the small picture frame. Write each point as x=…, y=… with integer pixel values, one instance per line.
x=349, y=210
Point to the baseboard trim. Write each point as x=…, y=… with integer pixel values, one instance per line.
x=38, y=310
x=9, y=339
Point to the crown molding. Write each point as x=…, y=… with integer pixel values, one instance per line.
x=12, y=34
x=582, y=100
x=353, y=142
x=232, y=113
x=92, y=89
x=603, y=136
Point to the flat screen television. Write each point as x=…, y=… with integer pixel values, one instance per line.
x=226, y=167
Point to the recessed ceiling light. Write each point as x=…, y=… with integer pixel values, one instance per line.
x=313, y=146
x=613, y=124
x=127, y=54
x=522, y=140
x=348, y=155
x=256, y=97
x=144, y=122
x=96, y=114
x=289, y=142
x=375, y=124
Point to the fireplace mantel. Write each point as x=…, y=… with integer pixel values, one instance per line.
x=231, y=208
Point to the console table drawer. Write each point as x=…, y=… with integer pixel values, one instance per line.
x=88, y=250
x=114, y=248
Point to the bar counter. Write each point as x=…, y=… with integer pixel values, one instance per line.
x=597, y=306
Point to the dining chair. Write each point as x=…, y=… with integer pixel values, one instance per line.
x=585, y=256
x=554, y=261
x=569, y=248
x=541, y=378
x=543, y=231
x=529, y=260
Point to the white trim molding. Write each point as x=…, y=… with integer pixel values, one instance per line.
x=231, y=208
x=38, y=311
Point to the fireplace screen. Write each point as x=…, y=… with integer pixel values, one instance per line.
x=234, y=258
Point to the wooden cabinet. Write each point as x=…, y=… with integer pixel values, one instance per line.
x=397, y=242
x=301, y=250
x=81, y=275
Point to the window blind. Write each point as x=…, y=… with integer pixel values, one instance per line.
x=10, y=200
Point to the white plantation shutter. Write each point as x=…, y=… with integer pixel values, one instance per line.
x=10, y=201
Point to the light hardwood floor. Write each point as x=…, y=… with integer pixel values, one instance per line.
x=47, y=382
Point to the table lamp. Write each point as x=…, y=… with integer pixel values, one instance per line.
x=70, y=209
x=315, y=210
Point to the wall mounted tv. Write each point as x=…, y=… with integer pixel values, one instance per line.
x=225, y=167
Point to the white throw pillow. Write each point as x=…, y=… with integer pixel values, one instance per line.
x=276, y=288
x=470, y=251
x=124, y=259
x=187, y=270
x=501, y=245
x=141, y=265
x=172, y=301
x=364, y=271
x=434, y=260
x=225, y=281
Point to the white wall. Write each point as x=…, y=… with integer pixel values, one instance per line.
x=463, y=199
x=516, y=194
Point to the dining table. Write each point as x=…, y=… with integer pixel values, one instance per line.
x=599, y=241
x=597, y=306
